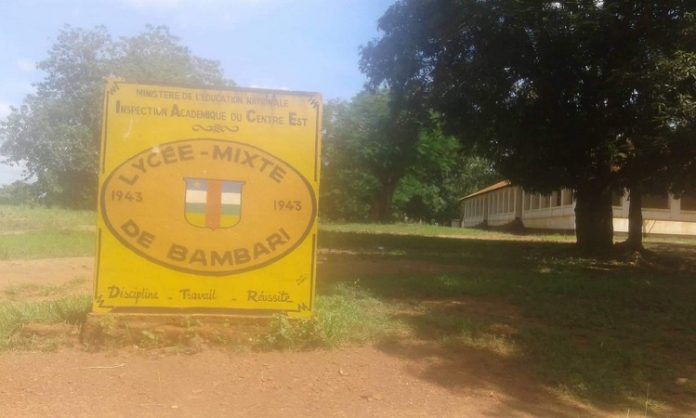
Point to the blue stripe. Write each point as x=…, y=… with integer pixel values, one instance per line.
x=196, y=184
x=231, y=187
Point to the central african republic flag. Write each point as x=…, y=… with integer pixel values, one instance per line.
x=213, y=203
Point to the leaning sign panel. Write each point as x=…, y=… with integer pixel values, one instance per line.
x=207, y=200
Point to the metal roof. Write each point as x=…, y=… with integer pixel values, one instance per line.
x=499, y=185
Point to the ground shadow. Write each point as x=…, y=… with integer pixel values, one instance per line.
x=524, y=316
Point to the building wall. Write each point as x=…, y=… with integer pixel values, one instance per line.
x=557, y=211
x=553, y=211
x=473, y=211
x=672, y=219
x=496, y=208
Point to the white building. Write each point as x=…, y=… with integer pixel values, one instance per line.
x=504, y=203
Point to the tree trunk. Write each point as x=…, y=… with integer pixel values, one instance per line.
x=635, y=219
x=594, y=227
x=381, y=209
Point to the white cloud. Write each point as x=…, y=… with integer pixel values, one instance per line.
x=26, y=65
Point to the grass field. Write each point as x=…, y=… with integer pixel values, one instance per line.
x=609, y=332
x=37, y=232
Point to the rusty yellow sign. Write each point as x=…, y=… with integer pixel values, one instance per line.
x=207, y=200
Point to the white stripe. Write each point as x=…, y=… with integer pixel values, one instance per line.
x=196, y=196
x=231, y=198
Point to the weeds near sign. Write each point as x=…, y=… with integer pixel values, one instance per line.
x=346, y=314
x=20, y=322
x=287, y=334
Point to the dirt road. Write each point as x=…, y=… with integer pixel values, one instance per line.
x=404, y=379
x=352, y=382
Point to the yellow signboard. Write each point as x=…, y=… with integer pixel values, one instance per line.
x=207, y=200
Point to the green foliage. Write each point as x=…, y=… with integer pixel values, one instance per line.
x=369, y=174
x=292, y=334
x=18, y=218
x=555, y=93
x=345, y=314
x=40, y=232
x=56, y=131
x=368, y=148
x=431, y=192
x=13, y=316
x=19, y=193
x=47, y=244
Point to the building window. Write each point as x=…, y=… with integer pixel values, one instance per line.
x=535, y=201
x=656, y=201
x=688, y=202
x=543, y=201
x=567, y=197
x=617, y=198
x=556, y=198
x=527, y=201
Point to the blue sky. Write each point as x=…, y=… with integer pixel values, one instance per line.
x=309, y=45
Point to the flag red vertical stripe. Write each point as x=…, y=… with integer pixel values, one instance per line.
x=213, y=204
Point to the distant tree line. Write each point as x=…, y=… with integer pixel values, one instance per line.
x=56, y=131
x=381, y=164
x=595, y=96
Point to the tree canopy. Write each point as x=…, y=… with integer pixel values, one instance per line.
x=368, y=137
x=552, y=92
x=373, y=171
x=56, y=130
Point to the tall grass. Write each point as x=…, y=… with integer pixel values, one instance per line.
x=33, y=218
x=47, y=244
x=13, y=316
x=345, y=315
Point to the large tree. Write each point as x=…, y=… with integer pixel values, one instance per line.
x=56, y=130
x=658, y=84
x=442, y=174
x=545, y=89
x=370, y=143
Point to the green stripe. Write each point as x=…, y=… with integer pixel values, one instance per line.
x=230, y=209
x=195, y=207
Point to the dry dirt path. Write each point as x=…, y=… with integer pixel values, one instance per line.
x=404, y=380
x=46, y=272
x=342, y=383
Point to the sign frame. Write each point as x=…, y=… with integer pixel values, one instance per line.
x=279, y=134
